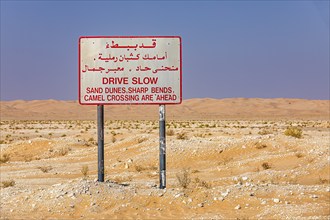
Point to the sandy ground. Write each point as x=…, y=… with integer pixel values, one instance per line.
x=229, y=169
x=191, y=109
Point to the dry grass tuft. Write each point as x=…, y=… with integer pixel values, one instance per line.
x=264, y=132
x=63, y=151
x=266, y=165
x=260, y=145
x=170, y=132
x=293, y=132
x=84, y=170
x=202, y=183
x=45, y=169
x=140, y=168
x=140, y=140
x=8, y=183
x=4, y=158
x=123, y=179
x=182, y=136
x=183, y=178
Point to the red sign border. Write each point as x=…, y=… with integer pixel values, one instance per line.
x=158, y=103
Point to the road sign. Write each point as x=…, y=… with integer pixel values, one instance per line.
x=130, y=70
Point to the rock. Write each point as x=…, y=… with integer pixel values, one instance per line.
x=244, y=178
x=224, y=194
x=72, y=205
x=177, y=195
x=126, y=165
x=263, y=202
x=314, y=196
x=238, y=207
x=221, y=198
x=276, y=200
x=201, y=205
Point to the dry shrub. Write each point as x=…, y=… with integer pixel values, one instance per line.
x=113, y=139
x=202, y=183
x=123, y=179
x=140, y=140
x=323, y=180
x=8, y=183
x=63, y=151
x=266, y=166
x=45, y=169
x=293, y=132
x=140, y=168
x=170, y=132
x=184, y=178
x=261, y=145
x=4, y=158
x=264, y=132
x=84, y=170
x=182, y=136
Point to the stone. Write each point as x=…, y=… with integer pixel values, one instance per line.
x=238, y=207
x=177, y=195
x=276, y=200
x=126, y=165
x=201, y=205
x=224, y=194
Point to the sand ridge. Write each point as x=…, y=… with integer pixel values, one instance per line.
x=191, y=109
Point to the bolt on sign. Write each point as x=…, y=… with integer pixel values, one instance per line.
x=130, y=70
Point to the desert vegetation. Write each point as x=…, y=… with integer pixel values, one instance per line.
x=221, y=169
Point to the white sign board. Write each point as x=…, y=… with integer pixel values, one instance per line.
x=130, y=70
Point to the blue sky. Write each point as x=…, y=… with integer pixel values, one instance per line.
x=263, y=49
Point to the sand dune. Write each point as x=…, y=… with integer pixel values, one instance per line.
x=198, y=109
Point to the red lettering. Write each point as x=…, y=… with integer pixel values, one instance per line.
x=145, y=80
x=115, y=80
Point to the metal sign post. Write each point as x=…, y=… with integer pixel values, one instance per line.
x=162, y=148
x=100, y=142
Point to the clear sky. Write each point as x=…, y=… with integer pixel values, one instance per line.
x=262, y=49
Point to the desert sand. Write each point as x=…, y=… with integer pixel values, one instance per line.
x=226, y=159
